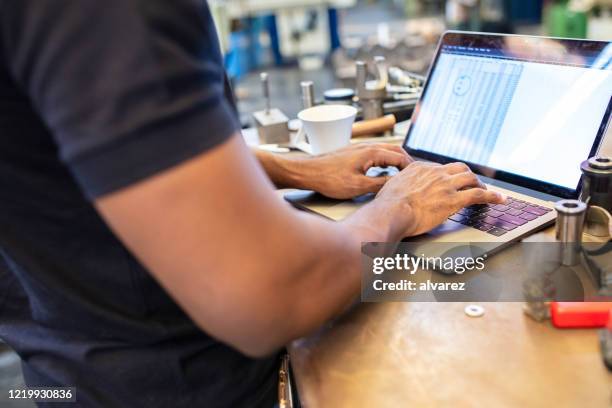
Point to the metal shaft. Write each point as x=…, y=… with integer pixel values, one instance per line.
x=307, y=88
x=265, y=84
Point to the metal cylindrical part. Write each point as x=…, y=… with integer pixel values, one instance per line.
x=570, y=222
x=361, y=76
x=372, y=109
x=339, y=96
x=265, y=84
x=597, y=182
x=308, y=98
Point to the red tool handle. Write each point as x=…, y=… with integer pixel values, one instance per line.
x=580, y=314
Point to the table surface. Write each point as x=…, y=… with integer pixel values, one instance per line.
x=433, y=355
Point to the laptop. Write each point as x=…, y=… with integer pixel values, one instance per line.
x=521, y=111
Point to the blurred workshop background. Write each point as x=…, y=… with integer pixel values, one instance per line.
x=321, y=41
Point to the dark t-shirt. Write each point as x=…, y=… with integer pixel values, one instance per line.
x=96, y=95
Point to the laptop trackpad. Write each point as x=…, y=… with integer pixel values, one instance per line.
x=328, y=207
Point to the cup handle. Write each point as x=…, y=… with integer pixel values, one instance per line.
x=298, y=141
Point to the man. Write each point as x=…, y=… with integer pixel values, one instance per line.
x=148, y=260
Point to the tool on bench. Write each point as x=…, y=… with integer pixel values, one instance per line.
x=571, y=215
x=575, y=315
x=569, y=225
x=308, y=98
x=597, y=182
x=374, y=126
x=372, y=93
x=597, y=193
x=537, y=293
x=339, y=96
x=580, y=314
x=272, y=124
x=605, y=341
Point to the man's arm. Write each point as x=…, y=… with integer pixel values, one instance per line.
x=151, y=146
x=340, y=174
x=243, y=264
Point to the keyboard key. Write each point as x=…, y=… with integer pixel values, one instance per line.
x=505, y=225
x=483, y=226
x=528, y=216
x=532, y=209
x=544, y=208
x=501, y=207
x=457, y=218
x=497, y=222
x=517, y=205
x=467, y=211
x=513, y=220
x=488, y=220
x=514, y=211
x=491, y=212
x=498, y=232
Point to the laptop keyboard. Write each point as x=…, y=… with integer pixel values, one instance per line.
x=499, y=219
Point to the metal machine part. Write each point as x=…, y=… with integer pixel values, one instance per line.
x=597, y=182
x=372, y=93
x=339, y=96
x=403, y=86
x=308, y=98
x=474, y=311
x=605, y=341
x=407, y=80
x=265, y=85
x=272, y=124
x=598, y=222
x=597, y=260
x=569, y=226
x=538, y=311
x=537, y=292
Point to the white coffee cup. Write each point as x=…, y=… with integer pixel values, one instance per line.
x=328, y=127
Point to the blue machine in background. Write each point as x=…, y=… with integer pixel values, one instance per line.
x=246, y=53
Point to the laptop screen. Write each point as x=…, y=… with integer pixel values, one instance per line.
x=517, y=108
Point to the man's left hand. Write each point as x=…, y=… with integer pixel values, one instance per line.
x=342, y=174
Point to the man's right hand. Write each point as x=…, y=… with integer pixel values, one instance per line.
x=423, y=195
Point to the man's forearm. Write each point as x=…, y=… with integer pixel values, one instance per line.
x=327, y=263
x=283, y=171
